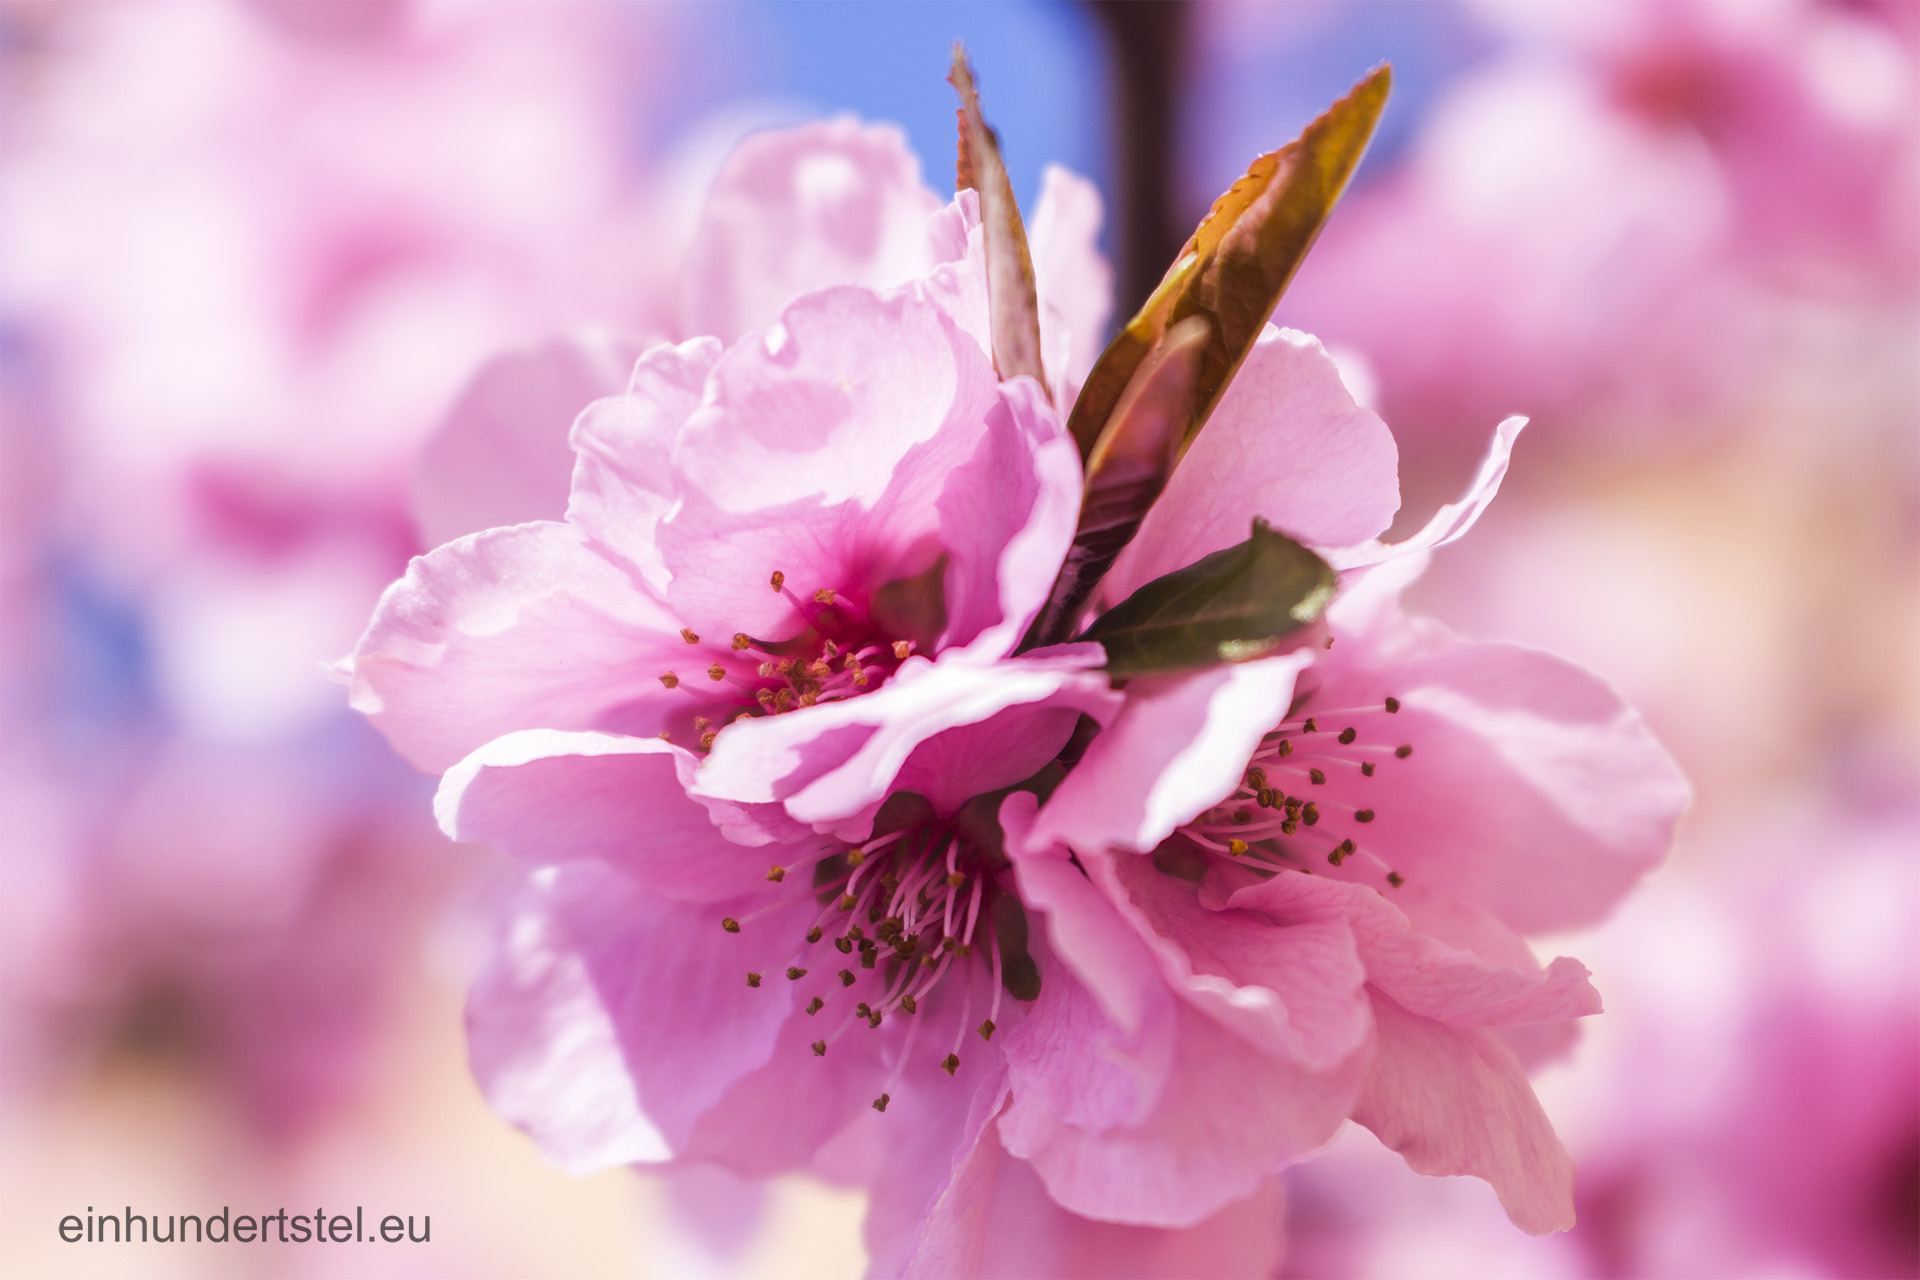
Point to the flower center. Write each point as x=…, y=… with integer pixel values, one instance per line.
x=840, y=652
x=1307, y=797
x=913, y=907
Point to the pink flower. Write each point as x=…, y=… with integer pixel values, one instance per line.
x=1297, y=893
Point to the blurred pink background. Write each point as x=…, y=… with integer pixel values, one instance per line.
x=252, y=254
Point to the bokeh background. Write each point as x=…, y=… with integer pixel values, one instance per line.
x=252, y=251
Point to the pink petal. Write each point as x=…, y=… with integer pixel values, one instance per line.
x=836, y=762
x=1456, y=1102
x=1288, y=443
x=609, y=1020
x=622, y=485
x=1453, y=519
x=1420, y=972
x=529, y=627
x=1007, y=517
x=1179, y=745
x=821, y=450
x=545, y=797
x=501, y=456
x=1072, y=278
x=835, y=202
x=1228, y=1118
x=1532, y=790
x=927, y=1216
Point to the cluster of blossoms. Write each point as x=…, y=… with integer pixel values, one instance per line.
x=830, y=866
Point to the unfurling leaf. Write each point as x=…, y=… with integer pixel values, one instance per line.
x=1240, y=258
x=1193, y=334
x=1013, y=305
x=1235, y=604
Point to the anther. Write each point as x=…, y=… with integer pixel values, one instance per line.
x=1393, y=705
x=795, y=973
x=950, y=1063
x=753, y=979
x=1341, y=852
x=880, y=1103
x=1318, y=778
x=764, y=697
x=843, y=945
x=848, y=902
x=813, y=934
x=1267, y=799
x=1403, y=752
x=706, y=740
x=815, y=1005
x=778, y=580
x=846, y=977
x=864, y=1009
x=823, y=596
x=741, y=640
x=987, y=1029
x=909, y=1004
x=1236, y=847
x=1395, y=879
x=955, y=879
x=776, y=874
x=856, y=856
x=1310, y=726
x=1364, y=815
x=901, y=648
x=730, y=925
x=670, y=680
x=1285, y=749
x=819, y=1048
x=1366, y=768
x=873, y=1019
x=716, y=672
x=1290, y=826
x=686, y=633
x=1241, y=817
x=1309, y=814
x=1347, y=735
x=1257, y=779
x=701, y=724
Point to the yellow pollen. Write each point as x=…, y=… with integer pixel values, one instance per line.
x=955, y=879
x=670, y=680
x=776, y=874
x=741, y=640
x=1236, y=847
x=856, y=856
x=823, y=596
x=901, y=648
x=686, y=633
x=706, y=740
x=716, y=672
x=778, y=580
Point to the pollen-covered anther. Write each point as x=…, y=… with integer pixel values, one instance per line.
x=856, y=856
x=1402, y=752
x=843, y=945
x=815, y=1005
x=1363, y=815
x=1393, y=705
x=795, y=973
x=670, y=680
x=1237, y=847
x=706, y=740
x=1309, y=726
x=716, y=672
x=778, y=581
x=846, y=977
x=1309, y=814
x=909, y=1004
x=848, y=902
x=1366, y=768
x=987, y=1029
x=813, y=934
x=753, y=979
x=741, y=640
x=950, y=1063
x=1284, y=749
x=1347, y=735
x=1318, y=778
x=1395, y=879
x=701, y=724
x=880, y=1103
x=902, y=648
x=1341, y=852
x=823, y=596
x=730, y=924
x=955, y=879
x=819, y=1048
x=776, y=874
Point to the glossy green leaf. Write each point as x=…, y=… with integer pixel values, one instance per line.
x=1235, y=604
x=1013, y=304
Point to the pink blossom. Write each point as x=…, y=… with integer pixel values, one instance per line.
x=1319, y=866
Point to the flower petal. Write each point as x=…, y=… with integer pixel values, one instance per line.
x=793, y=210
x=546, y=796
x=1072, y=278
x=534, y=626
x=1288, y=443
x=1455, y=1101
x=609, y=1019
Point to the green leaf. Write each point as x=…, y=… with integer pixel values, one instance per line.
x=1013, y=304
x=1233, y=605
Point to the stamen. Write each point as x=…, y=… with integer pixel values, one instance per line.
x=1347, y=736
x=795, y=973
x=902, y=648
x=1318, y=778
x=777, y=874
x=950, y=1063
x=880, y=1103
x=778, y=580
x=815, y=1005
x=987, y=1029
x=823, y=596
x=741, y=640
x=753, y=979
x=706, y=740
x=730, y=924
x=819, y=1048
x=1393, y=705
x=670, y=680
x=1403, y=752
x=686, y=633
x=1395, y=879
x=1366, y=768
x=716, y=672
x=1363, y=815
